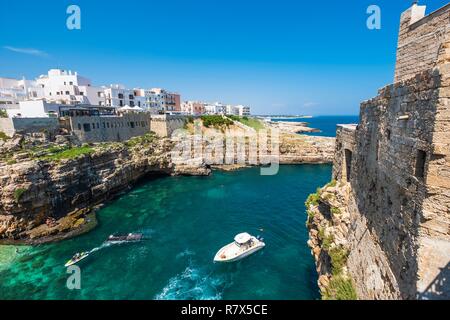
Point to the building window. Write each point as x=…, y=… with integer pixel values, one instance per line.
x=348, y=163
x=388, y=134
x=86, y=127
x=71, y=83
x=420, y=163
x=81, y=93
x=79, y=126
x=120, y=95
x=107, y=125
x=98, y=125
x=121, y=103
x=104, y=125
x=67, y=92
x=93, y=126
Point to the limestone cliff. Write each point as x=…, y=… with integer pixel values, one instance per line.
x=42, y=198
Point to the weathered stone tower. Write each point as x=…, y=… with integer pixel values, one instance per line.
x=393, y=175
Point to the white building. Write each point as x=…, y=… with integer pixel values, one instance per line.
x=216, y=108
x=232, y=110
x=117, y=96
x=243, y=110
x=13, y=90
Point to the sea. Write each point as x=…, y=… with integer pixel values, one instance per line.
x=185, y=221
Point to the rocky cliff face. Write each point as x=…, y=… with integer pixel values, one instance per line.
x=40, y=199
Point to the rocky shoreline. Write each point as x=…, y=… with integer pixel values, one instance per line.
x=45, y=199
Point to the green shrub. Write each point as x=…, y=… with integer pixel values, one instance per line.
x=340, y=288
x=18, y=193
x=311, y=215
x=327, y=241
x=338, y=257
x=332, y=184
x=335, y=211
x=3, y=136
x=313, y=200
x=11, y=161
x=141, y=140
x=3, y=113
x=216, y=121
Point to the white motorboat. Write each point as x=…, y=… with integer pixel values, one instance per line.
x=244, y=245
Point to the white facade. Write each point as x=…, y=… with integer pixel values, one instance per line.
x=216, y=108
x=232, y=110
x=118, y=96
x=34, y=109
x=13, y=90
x=243, y=110
x=62, y=86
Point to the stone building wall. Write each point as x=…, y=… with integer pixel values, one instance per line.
x=110, y=128
x=10, y=126
x=395, y=199
x=420, y=40
x=165, y=125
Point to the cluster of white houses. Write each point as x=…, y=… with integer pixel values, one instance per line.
x=95, y=113
x=65, y=87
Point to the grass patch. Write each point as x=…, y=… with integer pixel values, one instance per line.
x=249, y=122
x=141, y=140
x=340, y=288
x=18, y=193
x=59, y=153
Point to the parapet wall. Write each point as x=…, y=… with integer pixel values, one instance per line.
x=10, y=126
x=165, y=125
x=421, y=38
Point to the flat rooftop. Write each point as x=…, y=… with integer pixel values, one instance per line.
x=351, y=126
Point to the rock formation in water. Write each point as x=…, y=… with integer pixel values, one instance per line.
x=381, y=229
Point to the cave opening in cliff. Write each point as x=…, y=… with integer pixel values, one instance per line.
x=420, y=164
x=348, y=163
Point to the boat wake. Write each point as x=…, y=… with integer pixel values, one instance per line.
x=193, y=284
x=185, y=253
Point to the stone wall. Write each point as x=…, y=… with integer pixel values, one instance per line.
x=165, y=125
x=420, y=40
x=392, y=199
x=28, y=125
x=110, y=128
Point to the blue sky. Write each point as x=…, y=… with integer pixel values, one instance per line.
x=279, y=57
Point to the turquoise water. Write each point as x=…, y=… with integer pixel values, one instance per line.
x=187, y=220
x=326, y=124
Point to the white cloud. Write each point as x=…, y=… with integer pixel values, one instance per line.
x=30, y=51
x=310, y=104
